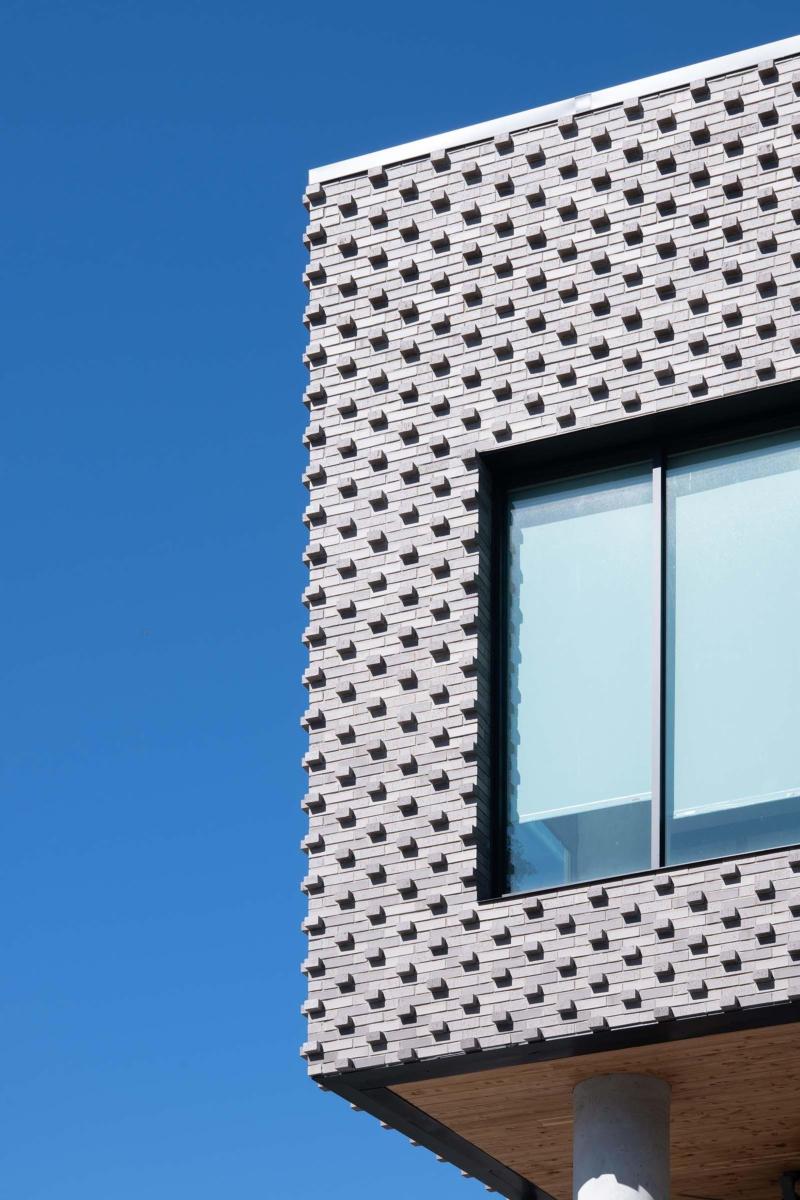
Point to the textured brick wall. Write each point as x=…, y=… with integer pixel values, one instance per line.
x=588, y=270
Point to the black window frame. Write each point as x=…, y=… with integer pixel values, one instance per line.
x=650, y=438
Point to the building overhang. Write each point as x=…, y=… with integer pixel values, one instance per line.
x=504, y=1116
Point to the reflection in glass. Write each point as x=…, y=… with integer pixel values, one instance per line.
x=579, y=679
x=733, y=649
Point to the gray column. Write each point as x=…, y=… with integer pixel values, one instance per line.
x=621, y=1138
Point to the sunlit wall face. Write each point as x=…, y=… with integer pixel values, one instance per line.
x=579, y=679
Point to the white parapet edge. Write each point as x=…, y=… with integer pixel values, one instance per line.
x=588, y=102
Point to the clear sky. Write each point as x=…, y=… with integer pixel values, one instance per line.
x=154, y=156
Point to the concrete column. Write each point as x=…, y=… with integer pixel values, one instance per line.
x=621, y=1138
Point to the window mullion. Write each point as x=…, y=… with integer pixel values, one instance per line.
x=659, y=632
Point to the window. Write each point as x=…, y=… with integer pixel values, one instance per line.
x=651, y=676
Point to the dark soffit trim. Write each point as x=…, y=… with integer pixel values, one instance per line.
x=406, y=1118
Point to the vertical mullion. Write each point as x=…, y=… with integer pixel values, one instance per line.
x=658, y=641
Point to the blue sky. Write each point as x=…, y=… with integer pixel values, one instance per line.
x=150, y=424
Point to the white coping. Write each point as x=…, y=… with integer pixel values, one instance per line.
x=550, y=112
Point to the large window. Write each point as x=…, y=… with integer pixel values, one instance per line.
x=651, y=685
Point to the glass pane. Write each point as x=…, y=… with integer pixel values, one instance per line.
x=733, y=649
x=579, y=670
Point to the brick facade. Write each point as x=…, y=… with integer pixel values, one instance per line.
x=591, y=268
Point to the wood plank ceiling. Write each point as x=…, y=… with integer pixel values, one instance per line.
x=735, y=1118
